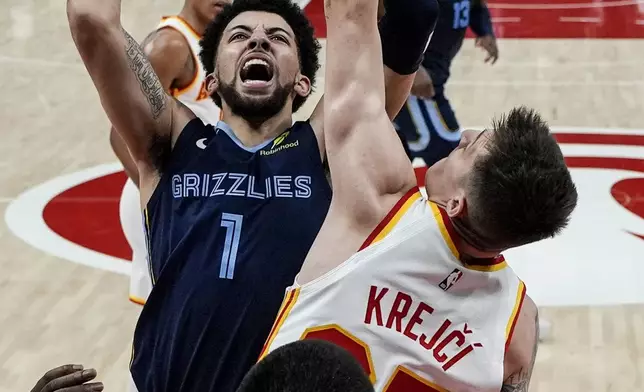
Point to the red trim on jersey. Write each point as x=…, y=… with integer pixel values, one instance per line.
x=385, y=221
x=286, y=307
x=454, y=237
x=516, y=317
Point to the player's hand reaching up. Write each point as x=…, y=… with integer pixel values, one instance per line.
x=488, y=43
x=68, y=378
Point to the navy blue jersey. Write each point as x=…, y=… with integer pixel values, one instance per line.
x=454, y=18
x=228, y=229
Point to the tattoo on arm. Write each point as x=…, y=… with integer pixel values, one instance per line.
x=520, y=381
x=148, y=80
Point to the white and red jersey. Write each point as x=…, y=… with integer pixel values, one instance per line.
x=194, y=96
x=415, y=316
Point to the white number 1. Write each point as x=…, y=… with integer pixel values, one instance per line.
x=233, y=225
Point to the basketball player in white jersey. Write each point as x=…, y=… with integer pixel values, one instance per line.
x=173, y=50
x=417, y=289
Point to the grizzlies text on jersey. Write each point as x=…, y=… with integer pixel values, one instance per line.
x=228, y=228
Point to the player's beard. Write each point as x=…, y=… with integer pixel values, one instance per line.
x=255, y=110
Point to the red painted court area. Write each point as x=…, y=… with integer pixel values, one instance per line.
x=548, y=19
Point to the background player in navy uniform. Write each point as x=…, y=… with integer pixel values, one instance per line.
x=427, y=120
x=231, y=210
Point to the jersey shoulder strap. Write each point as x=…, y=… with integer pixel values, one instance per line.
x=183, y=27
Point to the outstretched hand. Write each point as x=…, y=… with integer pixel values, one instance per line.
x=68, y=378
x=488, y=43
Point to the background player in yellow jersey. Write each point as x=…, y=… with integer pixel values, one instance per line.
x=427, y=303
x=173, y=50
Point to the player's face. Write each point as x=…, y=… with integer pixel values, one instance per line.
x=446, y=180
x=209, y=9
x=257, y=66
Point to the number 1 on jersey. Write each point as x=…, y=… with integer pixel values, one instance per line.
x=233, y=225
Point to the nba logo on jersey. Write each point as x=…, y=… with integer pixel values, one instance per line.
x=451, y=279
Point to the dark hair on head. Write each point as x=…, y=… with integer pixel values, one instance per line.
x=522, y=190
x=307, y=366
x=308, y=47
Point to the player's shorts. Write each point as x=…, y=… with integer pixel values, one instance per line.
x=132, y=225
x=429, y=127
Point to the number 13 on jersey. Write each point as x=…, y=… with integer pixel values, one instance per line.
x=461, y=14
x=232, y=223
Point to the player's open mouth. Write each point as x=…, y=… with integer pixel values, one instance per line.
x=256, y=72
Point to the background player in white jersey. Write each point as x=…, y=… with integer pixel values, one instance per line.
x=427, y=303
x=173, y=50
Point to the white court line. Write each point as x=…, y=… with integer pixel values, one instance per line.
x=573, y=19
x=539, y=83
x=548, y=63
x=601, y=131
x=25, y=219
x=542, y=6
x=538, y=64
x=639, y=22
x=589, y=131
x=602, y=151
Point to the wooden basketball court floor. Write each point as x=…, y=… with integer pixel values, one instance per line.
x=60, y=305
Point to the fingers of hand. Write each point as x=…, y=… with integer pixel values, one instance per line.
x=54, y=374
x=70, y=380
x=62, y=371
x=93, y=387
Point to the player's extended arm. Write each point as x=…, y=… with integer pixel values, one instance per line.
x=480, y=20
x=367, y=161
x=404, y=30
x=519, y=361
x=167, y=52
x=123, y=154
x=130, y=91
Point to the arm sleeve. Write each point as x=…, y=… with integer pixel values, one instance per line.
x=480, y=21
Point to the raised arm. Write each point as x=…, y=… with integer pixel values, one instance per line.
x=408, y=21
x=369, y=168
x=130, y=91
x=520, y=358
x=169, y=54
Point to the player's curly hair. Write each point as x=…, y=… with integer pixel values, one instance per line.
x=308, y=47
x=307, y=366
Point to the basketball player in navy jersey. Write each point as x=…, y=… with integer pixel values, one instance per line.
x=173, y=51
x=427, y=120
x=232, y=209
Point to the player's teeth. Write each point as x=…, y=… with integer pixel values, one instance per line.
x=255, y=61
